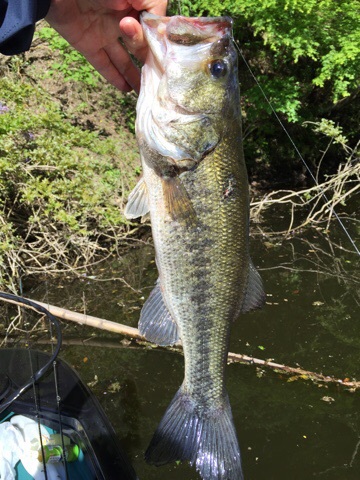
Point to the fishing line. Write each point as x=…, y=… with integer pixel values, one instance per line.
x=58, y=397
x=179, y=6
x=37, y=413
x=323, y=195
x=57, y=392
x=58, y=400
x=35, y=393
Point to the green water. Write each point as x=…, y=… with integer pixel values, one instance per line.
x=288, y=428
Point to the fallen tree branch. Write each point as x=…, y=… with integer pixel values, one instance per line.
x=319, y=200
x=134, y=333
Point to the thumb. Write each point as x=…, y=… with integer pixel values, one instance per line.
x=133, y=36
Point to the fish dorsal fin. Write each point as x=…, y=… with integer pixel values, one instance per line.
x=254, y=295
x=156, y=323
x=137, y=205
x=178, y=202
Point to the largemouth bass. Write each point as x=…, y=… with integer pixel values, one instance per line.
x=195, y=187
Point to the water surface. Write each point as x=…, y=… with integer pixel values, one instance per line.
x=288, y=428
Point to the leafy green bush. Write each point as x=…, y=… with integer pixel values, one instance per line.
x=326, y=34
x=61, y=188
x=306, y=56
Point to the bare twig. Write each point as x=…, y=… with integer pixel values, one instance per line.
x=320, y=200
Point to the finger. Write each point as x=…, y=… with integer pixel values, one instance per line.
x=124, y=65
x=133, y=37
x=104, y=65
x=157, y=7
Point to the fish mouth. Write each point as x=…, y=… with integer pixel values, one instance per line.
x=178, y=129
x=187, y=31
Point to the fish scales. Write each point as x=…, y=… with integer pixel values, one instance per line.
x=196, y=189
x=207, y=302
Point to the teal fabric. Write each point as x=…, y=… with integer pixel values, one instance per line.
x=78, y=470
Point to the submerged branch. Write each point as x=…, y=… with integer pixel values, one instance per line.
x=134, y=333
x=320, y=200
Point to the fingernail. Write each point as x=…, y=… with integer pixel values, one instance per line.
x=128, y=29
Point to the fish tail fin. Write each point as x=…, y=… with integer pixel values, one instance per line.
x=206, y=438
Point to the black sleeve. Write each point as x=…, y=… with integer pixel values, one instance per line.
x=17, y=23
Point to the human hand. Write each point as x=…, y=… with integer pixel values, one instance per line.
x=93, y=27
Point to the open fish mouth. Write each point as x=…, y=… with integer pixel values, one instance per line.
x=181, y=51
x=183, y=31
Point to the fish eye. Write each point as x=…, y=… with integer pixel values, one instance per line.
x=218, y=68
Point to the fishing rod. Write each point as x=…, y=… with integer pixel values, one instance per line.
x=36, y=376
x=42, y=370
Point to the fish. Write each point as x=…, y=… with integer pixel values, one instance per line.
x=195, y=188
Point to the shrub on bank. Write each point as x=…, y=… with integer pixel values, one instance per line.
x=61, y=187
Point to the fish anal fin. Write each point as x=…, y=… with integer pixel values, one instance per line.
x=137, y=205
x=205, y=438
x=177, y=201
x=254, y=296
x=156, y=323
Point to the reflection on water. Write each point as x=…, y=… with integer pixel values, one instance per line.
x=287, y=429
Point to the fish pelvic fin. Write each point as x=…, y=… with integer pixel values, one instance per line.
x=254, y=296
x=205, y=438
x=156, y=323
x=137, y=205
x=177, y=201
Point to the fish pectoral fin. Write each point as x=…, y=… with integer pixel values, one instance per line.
x=137, y=205
x=156, y=323
x=178, y=202
x=205, y=437
x=255, y=296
